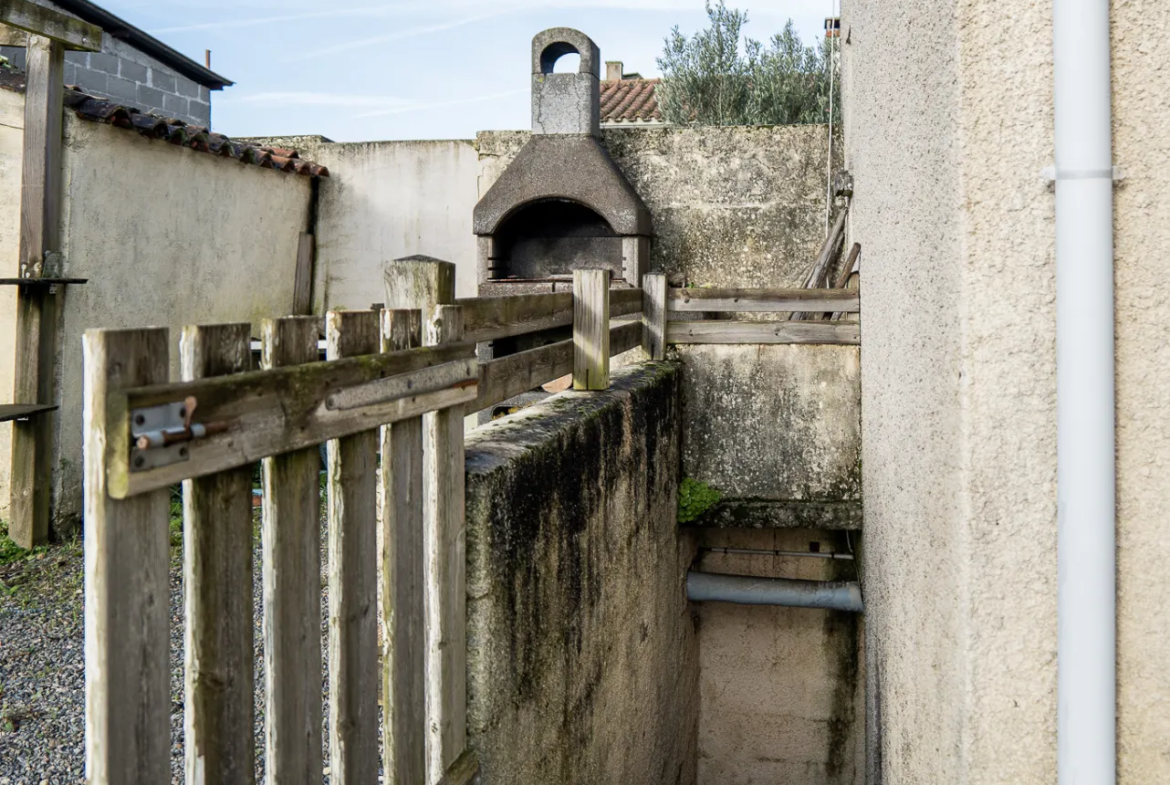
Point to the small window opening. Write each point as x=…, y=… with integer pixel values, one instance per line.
x=560, y=58
x=567, y=64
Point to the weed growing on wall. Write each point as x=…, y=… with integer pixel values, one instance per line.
x=694, y=499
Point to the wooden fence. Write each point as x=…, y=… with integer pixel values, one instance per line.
x=393, y=384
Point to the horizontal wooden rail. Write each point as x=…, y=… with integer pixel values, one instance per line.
x=491, y=318
x=764, y=300
x=264, y=413
x=763, y=332
x=518, y=373
x=623, y=302
x=624, y=337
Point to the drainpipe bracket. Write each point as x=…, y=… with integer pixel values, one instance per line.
x=1052, y=174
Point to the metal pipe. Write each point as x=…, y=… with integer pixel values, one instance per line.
x=1085, y=408
x=768, y=552
x=746, y=590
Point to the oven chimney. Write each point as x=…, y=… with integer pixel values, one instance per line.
x=613, y=70
x=565, y=103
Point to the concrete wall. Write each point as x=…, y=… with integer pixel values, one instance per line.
x=782, y=689
x=582, y=655
x=166, y=236
x=946, y=138
x=130, y=77
x=386, y=200
x=741, y=206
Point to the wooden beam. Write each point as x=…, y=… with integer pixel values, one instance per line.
x=404, y=710
x=445, y=566
x=623, y=302
x=624, y=337
x=491, y=318
x=518, y=373
x=762, y=300
x=281, y=409
x=654, y=316
x=70, y=32
x=127, y=581
x=217, y=588
x=763, y=332
x=291, y=558
x=591, y=329
x=37, y=307
x=464, y=771
x=353, y=574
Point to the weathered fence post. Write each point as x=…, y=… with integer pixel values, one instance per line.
x=429, y=284
x=353, y=579
x=654, y=315
x=217, y=578
x=291, y=542
x=591, y=329
x=127, y=588
x=404, y=714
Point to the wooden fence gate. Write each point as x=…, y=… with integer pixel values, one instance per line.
x=393, y=385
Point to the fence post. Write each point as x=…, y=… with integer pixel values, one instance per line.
x=353, y=579
x=591, y=329
x=127, y=587
x=654, y=315
x=429, y=284
x=291, y=543
x=404, y=714
x=217, y=578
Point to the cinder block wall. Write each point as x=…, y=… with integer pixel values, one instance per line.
x=582, y=651
x=125, y=75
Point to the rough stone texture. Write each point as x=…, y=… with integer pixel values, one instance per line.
x=582, y=655
x=742, y=206
x=782, y=689
x=777, y=430
x=946, y=139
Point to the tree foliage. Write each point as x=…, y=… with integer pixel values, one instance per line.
x=710, y=79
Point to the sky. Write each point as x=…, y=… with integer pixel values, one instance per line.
x=363, y=70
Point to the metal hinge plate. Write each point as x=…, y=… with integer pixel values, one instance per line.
x=151, y=420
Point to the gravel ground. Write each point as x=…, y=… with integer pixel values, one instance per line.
x=42, y=667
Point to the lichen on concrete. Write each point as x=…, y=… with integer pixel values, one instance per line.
x=582, y=656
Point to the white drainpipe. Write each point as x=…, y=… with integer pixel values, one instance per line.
x=1086, y=726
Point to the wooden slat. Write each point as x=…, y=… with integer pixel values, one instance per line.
x=492, y=318
x=761, y=300
x=623, y=302
x=464, y=771
x=654, y=316
x=819, y=274
x=403, y=599
x=623, y=337
x=353, y=575
x=290, y=537
x=69, y=31
x=275, y=411
x=217, y=581
x=22, y=411
x=518, y=373
x=31, y=480
x=303, y=275
x=445, y=568
x=763, y=332
x=127, y=646
x=591, y=329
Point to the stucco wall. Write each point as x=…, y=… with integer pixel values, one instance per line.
x=166, y=236
x=386, y=200
x=946, y=139
x=11, y=152
x=582, y=655
x=742, y=206
x=782, y=689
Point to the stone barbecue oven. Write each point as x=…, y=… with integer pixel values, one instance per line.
x=562, y=203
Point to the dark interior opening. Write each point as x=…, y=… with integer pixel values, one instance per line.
x=549, y=239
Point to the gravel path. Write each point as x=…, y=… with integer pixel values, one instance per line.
x=42, y=668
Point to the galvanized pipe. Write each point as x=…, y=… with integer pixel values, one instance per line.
x=746, y=590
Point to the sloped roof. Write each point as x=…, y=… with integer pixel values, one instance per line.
x=172, y=130
x=630, y=101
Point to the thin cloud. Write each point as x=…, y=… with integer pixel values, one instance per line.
x=315, y=99
x=440, y=104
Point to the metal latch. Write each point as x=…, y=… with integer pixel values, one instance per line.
x=160, y=434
